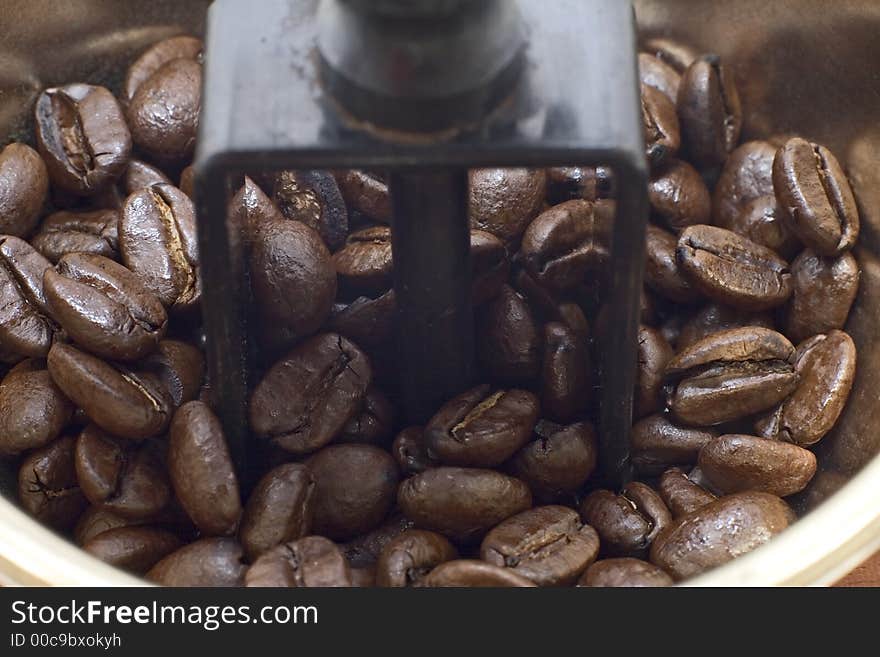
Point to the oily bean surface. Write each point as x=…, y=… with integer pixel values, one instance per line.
x=473, y=573
x=824, y=291
x=312, y=561
x=211, y=562
x=624, y=572
x=407, y=558
x=26, y=327
x=663, y=273
x=143, y=68
x=565, y=374
x=509, y=339
x=24, y=184
x=47, y=485
x=135, y=549
x=747, y=174
x=504, y=201
x=657, y=443
x=94, y=232
x=628, y=523
x=682, y=495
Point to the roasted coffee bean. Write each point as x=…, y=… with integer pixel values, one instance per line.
x=25, y=325
x=364, y=265
x=410, y=452
x=365, y=193
x=123, y=401
x=24, y=184
x=548, y=545
x=719, y=532
x=565, y=375
x=164, y=111
x=490, y=267
x=306, y=398
x=573, y=317
x=104, y=307
x=78, y=232
x=710, y=111
x=188, y=181
x=563, y=244
x=157, y=241
x=473, y=573
x=504, y=201
x=826, y=366
x=83, y=137
x=207, y=562
x=624, y=572
x=366, y=321
x=681, y=495
x=313, y=198
x=663, y=273
x=697, y=476
x=135, y=549
x=279, y=509
x=48, y=487
x=482, y=427
x=654, y=72
x=354, y=489
x=140, y=175
x=406, y=559
x=312, y=561
x=729, y=375
x=654, y=353
x=373, y=424
x=509, y=339
x=143, y=68
x=657, y=443
x=735, y=463
x=462, y=503
x=747, y=175
x=250, y=207
x=569, y=183
x=558, y=461
x=714, y=318
x=33, y=411
x=678, y=55
x=97, y=520
x=679, y=197
x=202, y=471
x=814, y=192
x=824, y=291
x=762, y=221
x=660, y=123
x=180, y=367
x=364, y=551
x=627, y=523
x=733, y=270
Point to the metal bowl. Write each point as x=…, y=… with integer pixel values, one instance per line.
x=802, y=66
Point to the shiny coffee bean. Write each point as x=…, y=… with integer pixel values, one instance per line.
x=679, y=197
x=48, y=487
x=366, y=321
x=747, y=174
x=140, y=175
x=364, y=265
x=654, y=353
x=504, y=201
x=710, y=111
x=548, y=545
x=24, y=184
x=661, y=126
x=135, y=549
x=313, y=198
x=145, y=66
x=473, y=573
x=569, y=183
x=312, y=561
x=627, y=523
x=657, y=443
x=250, y=207
x=307, y=397
x=824, y=291
x=826, y=366
x=33, y=411
x=25, y=325
x=490, y=267
x=729, y=375
x=813, y=190
x=406, y=559
x=373, y=424
x=180, y=368
x=654, y=72
x=364, y=551
x=462, y=503
x=207, y=562
x=713, y=318
x=410, y=452
x=572, y=316
x=482, y=427
x=663, y=273
x=720, y=531
x=365, y=193
x=624, y=572
x=682, y=495
x=565, y=376
x=762, y=221
x=83, y=137
x=97, y=520
x=279, y=509
x=509, y=339
x=558, y=461
x=64, y=232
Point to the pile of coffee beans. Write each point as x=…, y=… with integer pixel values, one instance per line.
x=104, y=407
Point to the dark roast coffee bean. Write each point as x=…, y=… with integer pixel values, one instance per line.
x=135, y=549
x=83, y=137
x=657, y=443
x=558, y=461
x=104, y=307
x=96, y=520
x=682, y=495
x=123, y=401
x=490, y=267
x=473, y=573
x=565, y=375
x=279, y=509
x=202, y=471
x=306, y=398
x=548, y=545
x=312, y=561
x=504, y=201
x=747, y=175
x=365, y=320
x=157, y=241
x=624, y=572
x=143, y=68
x=654, y=72
x=406, y=559
x=78, y=232
x=729, y=375
x=207, y=562
x=678, y=55
x=365, y=193
x=719, y=532
x=678, y=196
x=410, y=452
x=569, y=183
x=364, y=551
x=25, y=325
x=826, y=366
x=250, y=207
x=33, y=411
x=572, y=316
x=48, y=487
x=140, y=175
x=313, y=198
x=654, y=353
x=180, y=367
x=762, y=221
x=813, y=190
x=661, y=127
x=24, y=183
x=663, y=273
x=164, y=111
x=354, y=489
x=627, y=523
x=364, y=265
x=509, y=339
x=710, y=111
x=373, y=424
x=188, y=181
x=481, y=427
x=824, y=291
x=714, y=318
x=733, y=270
x=461, y=503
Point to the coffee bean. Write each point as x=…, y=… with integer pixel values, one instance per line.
x=679, y=197
x=461, y=503
x=472, y=573
x=313, y=198
x=365, y=320
x=410, y=452
x=762, y=221
x=24, y=183
x=569, y=183
x=509, y=339
x=96, y=520
x=627, y=523
x=406, y=559
x=83, y=137
x=145, y=66
x=824, y=291
x=663, y=273
x=747, y=175
x=309, y=562
x=490, y=267
x=682, y=495
x=547, y=545
x=814, y=192
x=720, y=531
x=188, y=181
x=624, y=572
x=504, y=201
x=657, y=443
x=364, y=265
x=654, y=353
x=25, y=325
x=180, y=367
x=713, y=318
x=48, y=487
x=573, y=317
x=78, y=232
x=565, y=375
x=654, y=72
x=33, y=411
x=135, y=549
x=140, y=175
x=364, y=551
x=373, y=424
x=661, y=127
x=678, y=55
x=365, y=193
x=207, y=562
